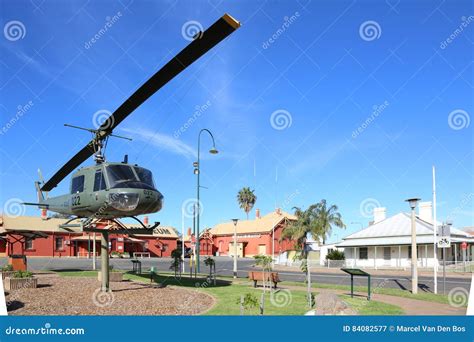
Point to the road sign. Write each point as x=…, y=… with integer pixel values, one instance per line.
x=444, y=236
x=444, y=242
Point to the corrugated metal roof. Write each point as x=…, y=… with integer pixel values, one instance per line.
x=259, y=225
x=396, y=230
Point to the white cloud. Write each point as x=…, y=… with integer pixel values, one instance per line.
x=162, y=141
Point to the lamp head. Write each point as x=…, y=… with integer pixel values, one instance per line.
x=412, y=202
x=235, y=221
x=213, y=150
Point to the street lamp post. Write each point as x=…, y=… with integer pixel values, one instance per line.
x=197, y=171
x=235, y=246
x=414, y=257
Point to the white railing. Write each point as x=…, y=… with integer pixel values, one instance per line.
x=141, y=254
x=86, y=254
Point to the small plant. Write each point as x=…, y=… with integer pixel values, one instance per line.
x=7, y=268
x=176, y=262
x=22, y=274
x=249, y=301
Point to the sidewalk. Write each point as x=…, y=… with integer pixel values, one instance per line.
x=378, y=272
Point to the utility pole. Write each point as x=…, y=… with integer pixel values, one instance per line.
x=94, y=253
x=104, y=255
x=414, y=257
x=235, y=247
x=435, y=242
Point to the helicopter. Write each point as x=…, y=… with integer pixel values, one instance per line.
x=113, y=190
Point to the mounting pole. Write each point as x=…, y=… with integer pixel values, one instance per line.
x=104, y=256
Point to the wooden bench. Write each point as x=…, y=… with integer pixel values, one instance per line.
x=269, y=276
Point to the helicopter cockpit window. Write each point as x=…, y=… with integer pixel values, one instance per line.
x=99, y=181
x=77, y=184
x=145, y=176
x=123, y=176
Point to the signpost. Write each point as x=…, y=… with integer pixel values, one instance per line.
x=357, y=272
x=464, y=251
x=444, y=241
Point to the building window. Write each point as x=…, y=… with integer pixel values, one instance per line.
x=363, y=253
x=77, y=184
x=59, y=243
x=165, y=247
x=29, y=244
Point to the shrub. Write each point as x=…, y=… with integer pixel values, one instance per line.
x=7, y=268
x=335, y=255
x=22, y=274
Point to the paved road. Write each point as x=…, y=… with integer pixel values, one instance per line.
x=224, y=266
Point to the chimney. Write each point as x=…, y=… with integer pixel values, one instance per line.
x=257, y=213
x=44, y=214
x=278, y=211
x=424, y=211
x=379, y=214
x=145, y=220
x=189, y=231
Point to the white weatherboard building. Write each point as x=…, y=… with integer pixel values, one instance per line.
x=387, y=242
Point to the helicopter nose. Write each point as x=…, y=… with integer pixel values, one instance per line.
x=124, y=201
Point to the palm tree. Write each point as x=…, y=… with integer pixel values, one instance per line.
x=246, y=199
x=316, y=221
x=327, y=218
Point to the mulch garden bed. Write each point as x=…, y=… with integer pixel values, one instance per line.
x=57, y=295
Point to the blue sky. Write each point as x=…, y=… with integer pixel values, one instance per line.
x=350, y=101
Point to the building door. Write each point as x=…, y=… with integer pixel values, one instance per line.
x=262, y=249
x=387, y=255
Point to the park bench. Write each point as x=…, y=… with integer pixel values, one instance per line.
x=269, y=276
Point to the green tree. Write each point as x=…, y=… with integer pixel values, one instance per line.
x=265, y=262
x=246, y=199
x=327, y=217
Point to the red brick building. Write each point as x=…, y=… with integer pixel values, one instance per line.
x=59, y=243
x=258, y=236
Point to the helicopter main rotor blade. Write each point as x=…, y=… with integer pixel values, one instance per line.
x=203, y=42
x=67, y=168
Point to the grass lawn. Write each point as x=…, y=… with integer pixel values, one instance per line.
x=228, y=295
x=365, y=307
x=429, y=297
